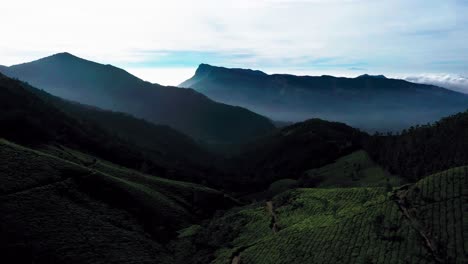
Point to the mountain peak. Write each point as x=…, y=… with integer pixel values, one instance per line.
x=380, y=76
x=63, y=56
x=204, y=68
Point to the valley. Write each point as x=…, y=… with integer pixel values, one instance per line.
x=85, y=184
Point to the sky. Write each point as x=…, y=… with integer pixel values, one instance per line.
x=164, y=41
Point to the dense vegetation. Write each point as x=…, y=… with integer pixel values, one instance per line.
x=290, y=151
x=372, y=103
x=112, y=88
x=35, y=118
x=423, y=150
x=421, y=223
x=58, y=211
x=353, y=170
x=88, y=185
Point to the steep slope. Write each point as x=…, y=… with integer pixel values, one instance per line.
x=108, y=87
x=423, y=150
x=163, y=142
x=421, y=223
x=57, y=211
x=39, y=120
x=288, y=152
x=367, y=102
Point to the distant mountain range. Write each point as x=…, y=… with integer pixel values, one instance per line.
x=372, y=103
x=109, y=87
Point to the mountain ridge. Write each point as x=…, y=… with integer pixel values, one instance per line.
x=112, y=88
x=372, y=103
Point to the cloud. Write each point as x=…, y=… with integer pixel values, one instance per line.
x=380, y=36
x=163, y=76
x=454, y=82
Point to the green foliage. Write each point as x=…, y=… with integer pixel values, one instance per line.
x=54, y=210
x=353, y=170
x=423, y=150
x=350, y=225
x=290, y=151
x=39, y=120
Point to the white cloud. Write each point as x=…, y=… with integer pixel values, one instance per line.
x=392, y=34
x=454, y=82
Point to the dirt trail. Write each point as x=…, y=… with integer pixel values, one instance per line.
x=236, y=256
x=274, y=218
x=400, y=197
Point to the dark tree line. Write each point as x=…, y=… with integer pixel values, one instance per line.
x=422, y=150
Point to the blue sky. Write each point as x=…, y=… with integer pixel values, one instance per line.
x=164, y=41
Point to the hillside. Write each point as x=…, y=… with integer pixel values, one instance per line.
x=164, y=143
x=423, y=150
x=354, y=170
x=37, y=119
x=111, y=88
x=372, y=103
x=290, y=151
x=54, y=210
x=421, y=223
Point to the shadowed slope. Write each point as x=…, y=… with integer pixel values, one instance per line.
x=112, y=88
x=56, y=211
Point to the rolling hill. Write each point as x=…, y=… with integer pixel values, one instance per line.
x=372, y=103
x=111, y=88
x=70, y=193
x=55, y=210
x=290, y=151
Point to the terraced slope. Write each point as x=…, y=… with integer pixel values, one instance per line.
x=422, y=223
x=54, y=210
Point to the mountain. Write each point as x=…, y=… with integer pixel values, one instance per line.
x=372, y=103
x=163, y=141
x=37, y=119
x=111, y=88
x=372, y=76
x=74, y=192
x=83, y=185
x=423, y=150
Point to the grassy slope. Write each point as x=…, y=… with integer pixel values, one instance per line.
x=290, y=151
x=353, y=170
x=348, y=225
x=55, y=210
